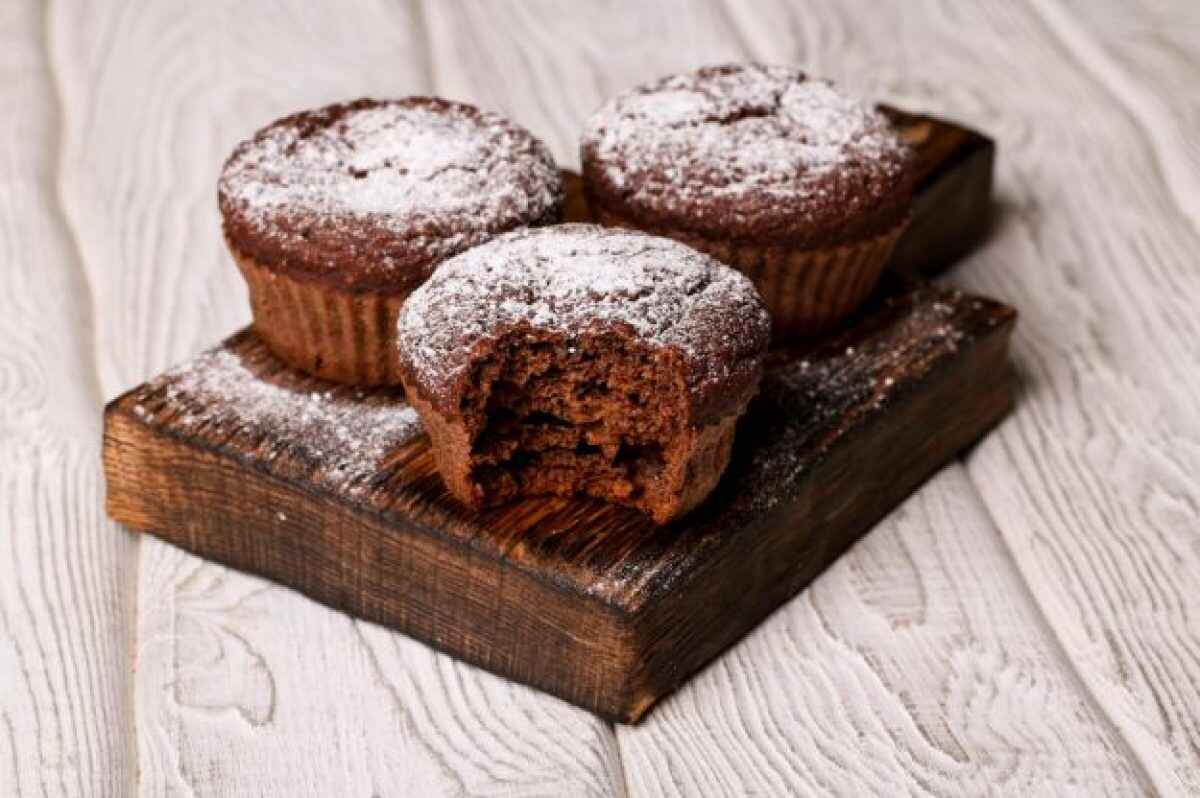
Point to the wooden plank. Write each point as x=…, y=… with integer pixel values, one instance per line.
x=66, y=573
x=333, y=491
x=1091, y=483
x=1106, y=544
x=242, y=687
x=772, y=718
x=1147, y=55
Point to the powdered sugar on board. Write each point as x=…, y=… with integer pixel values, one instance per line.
x=850, y=378
x=575, y=277
x=343, y=433
x=740, y=130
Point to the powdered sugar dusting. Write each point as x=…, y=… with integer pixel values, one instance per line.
x=575, y=277
x=739, y=130
x=439, y=174
x=848, y=380
x=345, y=436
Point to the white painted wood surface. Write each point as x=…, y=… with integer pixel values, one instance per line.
x=66, y=573
x=1027, y=623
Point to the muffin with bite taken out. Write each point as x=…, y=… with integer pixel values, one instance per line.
x=582, y=360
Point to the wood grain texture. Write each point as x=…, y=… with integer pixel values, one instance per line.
x=270, y=694
x=840, y=433
x=228, y=698
x=1107, y=545
x=1147, y=56
x=66, y=572
x=916, y=664
x=1091, y=485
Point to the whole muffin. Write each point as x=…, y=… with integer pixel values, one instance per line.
x=802, y=188
x=335, y=215
x=578, y=359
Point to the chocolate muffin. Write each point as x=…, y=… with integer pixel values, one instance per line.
x=802, y=188
x=335, y=215
x=578, y=359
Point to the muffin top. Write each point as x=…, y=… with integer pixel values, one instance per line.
x=582, y=278
x=748, y=152
x=370, y=195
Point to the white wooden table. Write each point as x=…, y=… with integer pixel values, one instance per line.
x=1028, y=623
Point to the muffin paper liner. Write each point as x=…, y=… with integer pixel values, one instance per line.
x=326, y=331
x=807, y=291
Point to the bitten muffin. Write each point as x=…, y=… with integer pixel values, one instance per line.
x=783, y=177
x=579, y=359
x=335, y=215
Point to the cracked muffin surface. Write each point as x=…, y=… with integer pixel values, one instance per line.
x=335, y=215
x=748, y=151
x=371, y=194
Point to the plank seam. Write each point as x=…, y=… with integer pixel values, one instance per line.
x=79, y=268
x=735, y=27
x=421, y=15
x=1058, y=644
x=60, y=207
x=614, y=745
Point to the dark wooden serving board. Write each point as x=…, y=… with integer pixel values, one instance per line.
x=332, y=491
